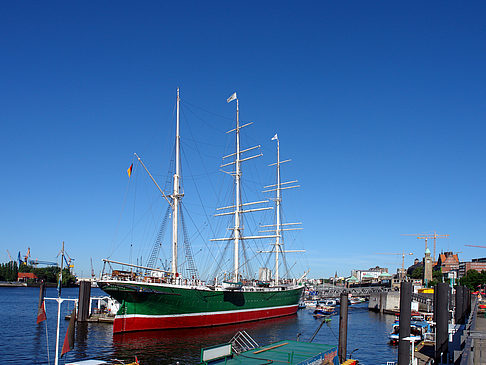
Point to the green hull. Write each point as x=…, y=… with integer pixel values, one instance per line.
x=178, y=307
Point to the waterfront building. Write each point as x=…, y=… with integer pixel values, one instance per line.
x=478, y=264
x=24, y=276
x=448, y=261
x=370, y=275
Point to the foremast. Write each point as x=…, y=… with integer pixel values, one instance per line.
x=238, y=212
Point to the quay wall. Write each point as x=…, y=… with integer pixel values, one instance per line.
x=385, y=302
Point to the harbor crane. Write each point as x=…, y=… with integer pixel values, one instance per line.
x=67, y=259
x=465, y=245
x=426, y=237
x=40, y=262
x=403, y=254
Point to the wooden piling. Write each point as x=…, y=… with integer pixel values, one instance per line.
x=343, y=327
x=404, y=330
x=441, y=316
x=84, y=300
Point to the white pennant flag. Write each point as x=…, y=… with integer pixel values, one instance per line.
x=231, y=98
x=274, y=137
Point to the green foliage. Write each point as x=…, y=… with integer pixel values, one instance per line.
x=418, y=273
x=437, y=276
x=473, y=279
x=8, y=271
x=67, y=278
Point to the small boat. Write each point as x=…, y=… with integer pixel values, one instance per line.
x=310, y=303
x=302, y=305
x=418, y=330
x=329, y=302
x=324, y=310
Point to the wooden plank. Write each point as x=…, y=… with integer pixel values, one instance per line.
x=271, y=348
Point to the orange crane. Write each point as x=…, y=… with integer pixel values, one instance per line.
x=403, y=254
x=26, y=257
x=426, y=236
x=10, y=257
x=464, y=245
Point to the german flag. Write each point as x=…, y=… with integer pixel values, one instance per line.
x=129, y=171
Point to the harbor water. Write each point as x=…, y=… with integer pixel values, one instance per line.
x=22, y=341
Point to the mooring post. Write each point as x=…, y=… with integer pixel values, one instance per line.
x=84, y=300
x=404, y=330
x=343, y=327
x=441, y=316
x=459, y=307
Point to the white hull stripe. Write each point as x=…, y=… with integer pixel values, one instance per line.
x=201, y=313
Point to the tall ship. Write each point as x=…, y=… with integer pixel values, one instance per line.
x=154, y=298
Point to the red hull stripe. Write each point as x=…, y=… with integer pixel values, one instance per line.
x=135, y=322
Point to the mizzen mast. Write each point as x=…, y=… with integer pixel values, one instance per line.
x=278, y=205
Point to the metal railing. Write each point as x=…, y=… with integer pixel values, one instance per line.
x=242, y=342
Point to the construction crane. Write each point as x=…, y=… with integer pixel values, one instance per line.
x=10, y=257
x=92, y=270
x=427, y=236
x=464, y=245
x=403, y=254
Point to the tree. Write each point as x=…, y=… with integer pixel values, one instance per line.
x=417, y=273
x=473, y=279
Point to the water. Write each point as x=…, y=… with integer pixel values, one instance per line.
x=22, y=341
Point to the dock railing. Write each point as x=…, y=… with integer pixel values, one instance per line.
x=242, y=342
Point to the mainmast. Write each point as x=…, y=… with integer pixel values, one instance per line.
x=236, y=229
x=278, y=200
x=238, y=212
x=176, y=196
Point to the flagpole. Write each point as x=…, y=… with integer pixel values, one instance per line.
x=56, y=359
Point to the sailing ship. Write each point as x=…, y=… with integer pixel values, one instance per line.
x=165, y=299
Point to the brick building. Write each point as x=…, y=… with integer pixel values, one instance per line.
x=24, y=276
x=476, y=264
x=448, y=261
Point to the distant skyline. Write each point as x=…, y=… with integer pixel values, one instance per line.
x=380, y=106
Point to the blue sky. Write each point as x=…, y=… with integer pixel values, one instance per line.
x=379, y=105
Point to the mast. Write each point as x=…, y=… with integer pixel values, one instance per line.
x=236, y=229
x=176, y=195
x=238, y=211
x=277, y=202
x=59, y=301
x=277, y=227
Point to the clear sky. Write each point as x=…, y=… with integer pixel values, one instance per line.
x=380, y=105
